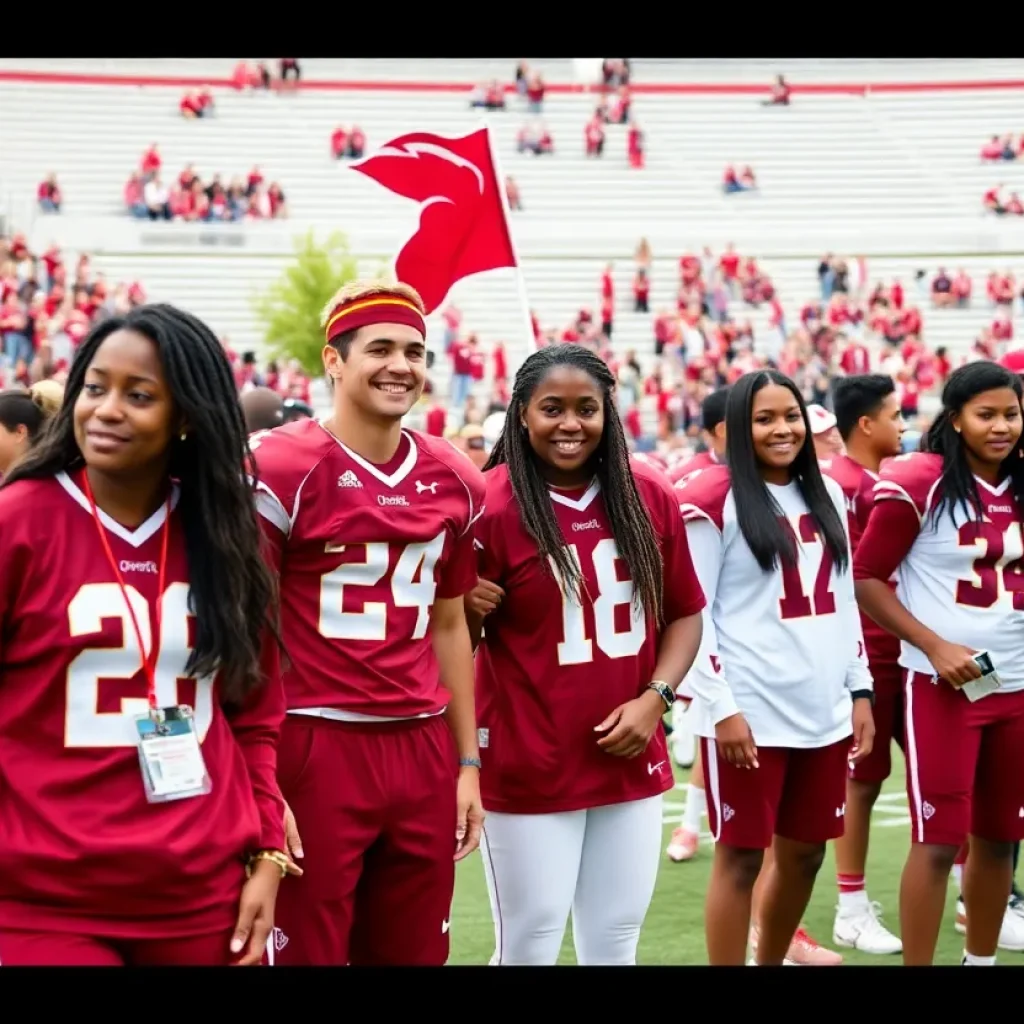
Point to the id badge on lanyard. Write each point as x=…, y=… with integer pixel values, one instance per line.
x=170, y=757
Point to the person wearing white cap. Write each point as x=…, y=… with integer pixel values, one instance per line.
x=827, y=440
x=493, y=426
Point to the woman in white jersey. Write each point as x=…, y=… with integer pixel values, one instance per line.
x=951, y=519
x=782, y=687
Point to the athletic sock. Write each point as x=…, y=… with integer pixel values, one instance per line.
x=852, y=893
x=977, y=961
x=696, y=807
x=958, y=875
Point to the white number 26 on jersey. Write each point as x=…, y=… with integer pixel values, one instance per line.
x=577, y=648
x=84, y=724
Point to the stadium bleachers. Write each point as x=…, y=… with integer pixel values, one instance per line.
x=892, y=176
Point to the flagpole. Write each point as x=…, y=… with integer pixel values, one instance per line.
x=524, y=301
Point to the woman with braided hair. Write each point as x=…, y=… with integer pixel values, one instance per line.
x=593, y=617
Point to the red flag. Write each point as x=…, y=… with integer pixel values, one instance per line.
x=463, y=229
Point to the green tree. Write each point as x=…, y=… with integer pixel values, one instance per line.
x=290, y=308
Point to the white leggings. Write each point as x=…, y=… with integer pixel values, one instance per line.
x=601, y=864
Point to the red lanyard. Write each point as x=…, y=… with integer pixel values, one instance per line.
x=148, y=661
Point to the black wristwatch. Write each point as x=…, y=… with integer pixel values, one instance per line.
x=863, y=695
x=664, y=691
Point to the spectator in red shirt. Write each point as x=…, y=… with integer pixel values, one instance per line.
x=434, y=419
x=593, y=137
x=942, y=290
x=151, y=162
x=641, y=291
x=991, y=201
x=993, y=149
x=49, y=195
x=535, y=92
x=1013, y=359
x=780, y=93
x=729, y=262
x=196, y=104
x=962, y=286
x=339, y=142
x=635, y=146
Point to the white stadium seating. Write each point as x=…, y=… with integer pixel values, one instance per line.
x=894, y=176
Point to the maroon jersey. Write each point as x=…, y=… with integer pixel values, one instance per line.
x=691, y=467
x=858, y=486
x=81, y=849
x=550, y=669
x=363, y=551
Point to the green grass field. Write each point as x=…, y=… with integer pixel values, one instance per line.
x=674, y=930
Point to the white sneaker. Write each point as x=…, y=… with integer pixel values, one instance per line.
x=1011, y=935
x=861, y=928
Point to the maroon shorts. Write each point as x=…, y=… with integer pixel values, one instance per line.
x=888, y=714
x=794, y=793
x=965, y=764
x=54, y=949
x=375, y=806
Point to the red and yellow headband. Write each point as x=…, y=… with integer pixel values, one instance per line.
x=375, y=309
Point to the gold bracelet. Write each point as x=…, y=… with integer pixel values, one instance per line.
x=274, y=856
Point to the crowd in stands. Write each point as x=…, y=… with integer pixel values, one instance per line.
x=147, y=196
x=852, y=324
x=995, y=201
x=1002, y=148
x=47, y=306
x=614, y=107
x=196, y=103
x=348, y=142
x=743, y=180
x=255, y=75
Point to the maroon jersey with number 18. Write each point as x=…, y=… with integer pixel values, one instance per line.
x=81, y=849
x=550, y=669
x=363, y=551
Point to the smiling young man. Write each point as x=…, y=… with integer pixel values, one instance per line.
x=370, y=529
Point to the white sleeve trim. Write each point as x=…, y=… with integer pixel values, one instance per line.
x=704, y=680
x=269, y=506
x=695, y=514
x=888, y=489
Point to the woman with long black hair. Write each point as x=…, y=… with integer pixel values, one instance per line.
x=140, y=693
x=781, y=682
x=950, y=518
x=592, y=620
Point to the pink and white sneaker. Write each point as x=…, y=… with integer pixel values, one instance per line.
x=803, y=951
x=683, y=845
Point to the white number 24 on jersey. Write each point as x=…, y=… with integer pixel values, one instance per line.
x=412, y=586
x=84, y=724
x=577, y=648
